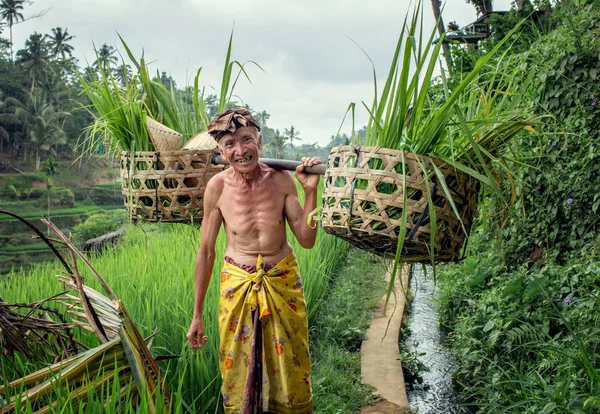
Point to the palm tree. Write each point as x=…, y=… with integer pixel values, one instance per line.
x=292, y=134
x=46, y=131
x=10, y=11
x=105, y=57
x=55, y=88
x=40, y=122
x=123, y=74
x=277, y=145
x=58, y=43
x=34, y=57
x=262, y=118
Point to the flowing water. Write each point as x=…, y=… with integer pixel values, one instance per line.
x=435, y=395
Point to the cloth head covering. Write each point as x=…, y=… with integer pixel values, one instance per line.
x=230, y=120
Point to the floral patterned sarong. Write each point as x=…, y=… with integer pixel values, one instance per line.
x=264, y=361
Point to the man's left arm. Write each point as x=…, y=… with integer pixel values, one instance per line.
x=297, y=215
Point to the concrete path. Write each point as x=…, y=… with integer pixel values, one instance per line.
x=379, y=366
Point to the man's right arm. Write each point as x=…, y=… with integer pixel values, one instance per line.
x=211, y=223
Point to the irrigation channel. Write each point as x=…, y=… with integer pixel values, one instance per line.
x=433, y=393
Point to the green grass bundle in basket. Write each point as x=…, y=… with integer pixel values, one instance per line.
x=145, y=123
x=410, y=190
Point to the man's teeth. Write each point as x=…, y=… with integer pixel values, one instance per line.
x=244, y=159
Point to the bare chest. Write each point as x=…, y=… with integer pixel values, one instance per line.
x=259, y=207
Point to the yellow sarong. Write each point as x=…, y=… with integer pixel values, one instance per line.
x=278, y=297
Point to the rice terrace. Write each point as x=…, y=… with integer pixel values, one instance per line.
x=410, y=225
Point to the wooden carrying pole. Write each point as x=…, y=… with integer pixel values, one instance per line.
x=288, y=165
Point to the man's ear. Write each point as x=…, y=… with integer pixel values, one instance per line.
x=260, y=143
x=220, y=150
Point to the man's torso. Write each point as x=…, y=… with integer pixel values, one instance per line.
x=254, y=217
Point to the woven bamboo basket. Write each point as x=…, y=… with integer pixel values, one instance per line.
x=363, y=202
x=163, y=138
x=166, y=185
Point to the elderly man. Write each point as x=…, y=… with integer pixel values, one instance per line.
x=263, y=352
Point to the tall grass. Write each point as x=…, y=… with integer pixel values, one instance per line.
x=467, y=122
x=120, y=108
x=152, y=272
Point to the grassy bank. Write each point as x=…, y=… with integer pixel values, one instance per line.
x=337, y=333
x=527, y=340
x=78, y=210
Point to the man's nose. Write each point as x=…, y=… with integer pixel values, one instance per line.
x=239, y=147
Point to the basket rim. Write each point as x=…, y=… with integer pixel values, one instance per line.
x=379, y=148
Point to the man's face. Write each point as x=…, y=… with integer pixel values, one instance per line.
x=241, y=148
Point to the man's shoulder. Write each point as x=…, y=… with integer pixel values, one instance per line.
x=282, y=178
x=278, y=174
x=216, y=182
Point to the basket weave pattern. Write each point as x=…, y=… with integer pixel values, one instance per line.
x=166, y=185
x=363, y=201
x=163, y=138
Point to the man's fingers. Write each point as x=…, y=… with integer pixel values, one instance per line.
x=310, y=161
x=198, y=341
x=196, y=338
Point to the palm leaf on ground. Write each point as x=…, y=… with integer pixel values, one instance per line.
x=122, y=361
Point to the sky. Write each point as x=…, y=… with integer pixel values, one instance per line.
x=310, y=65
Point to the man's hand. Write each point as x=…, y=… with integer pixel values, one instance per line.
x=196, y=335
x=308, y=181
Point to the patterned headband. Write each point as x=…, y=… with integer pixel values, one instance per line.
x=230, y=120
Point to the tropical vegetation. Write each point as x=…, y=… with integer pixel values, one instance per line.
x=522, y=309
x=466, y=123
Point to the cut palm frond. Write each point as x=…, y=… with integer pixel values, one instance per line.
x=123, y=360
x=40, y=333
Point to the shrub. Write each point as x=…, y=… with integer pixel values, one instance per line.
x=99, y=224
x=528, y=338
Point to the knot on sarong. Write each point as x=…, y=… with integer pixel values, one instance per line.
x=256, y=278
x=257, y=298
